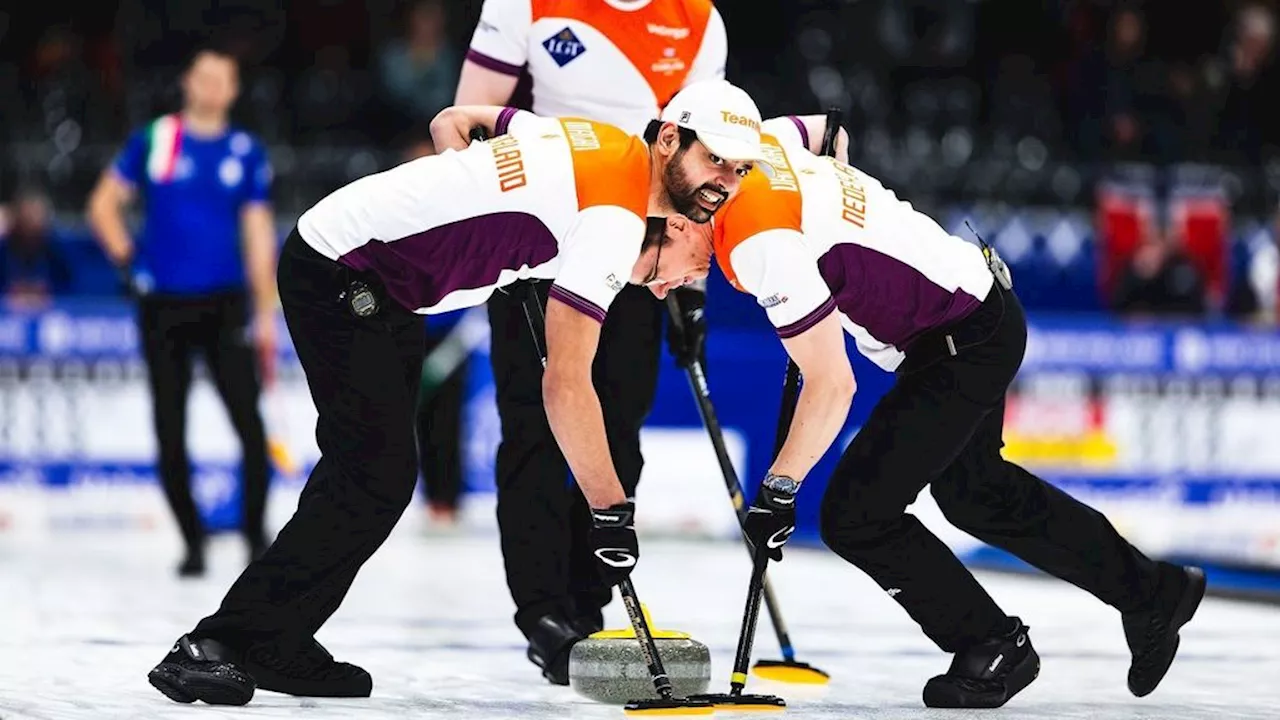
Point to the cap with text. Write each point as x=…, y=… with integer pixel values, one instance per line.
x=722, y=114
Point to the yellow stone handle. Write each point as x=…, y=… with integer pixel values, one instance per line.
x=630, y=632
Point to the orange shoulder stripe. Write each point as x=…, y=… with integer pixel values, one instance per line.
x=610, y=167
x=758, y=206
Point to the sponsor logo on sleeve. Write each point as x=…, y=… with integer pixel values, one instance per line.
x=773, y=300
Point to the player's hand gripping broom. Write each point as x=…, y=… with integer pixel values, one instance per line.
x=774, y=670
x=666, y=703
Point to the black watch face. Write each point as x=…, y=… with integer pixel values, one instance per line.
x=783, y=484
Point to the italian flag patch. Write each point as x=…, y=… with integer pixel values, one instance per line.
x=164, y=146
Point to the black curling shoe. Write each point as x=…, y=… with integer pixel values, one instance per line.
x=1152, y=632
x=988, y=674
x=202, y=670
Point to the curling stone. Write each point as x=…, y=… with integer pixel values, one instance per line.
x=609, y=667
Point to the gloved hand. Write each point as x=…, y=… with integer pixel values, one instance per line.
x=772, y=516
x=613, y=541
x=687, y=344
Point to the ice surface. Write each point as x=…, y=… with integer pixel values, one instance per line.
x=84, y=616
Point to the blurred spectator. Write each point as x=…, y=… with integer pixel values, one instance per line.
x=1123, y=82
x=1022, y=102
x=202, y=269
x=1252, y=295
x=327, y=46
x=418, y=73
x=928, y=33
x=32, y=269
x=1188, y=124
x=1111, y=86
x=312, y=26
x=1248, y=115
x=57, y=83
x=1160, y=279
x=328, y=97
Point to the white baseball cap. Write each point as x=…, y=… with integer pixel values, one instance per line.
x=724, y=117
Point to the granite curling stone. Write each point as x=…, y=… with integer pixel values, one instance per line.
x=609, y=667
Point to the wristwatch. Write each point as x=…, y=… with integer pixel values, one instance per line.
x=781, y=484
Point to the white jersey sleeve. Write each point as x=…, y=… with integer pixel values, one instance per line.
x=788, y=129
x=779, y=271
x=596, y=258
x=709, y=63
x=501, y=39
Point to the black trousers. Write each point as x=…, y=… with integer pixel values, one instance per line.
x=439, y=425
x=542, y=516
x=173, y=331
x=363, y=375
x=941, y=425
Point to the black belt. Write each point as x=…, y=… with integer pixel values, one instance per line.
x=951, y=340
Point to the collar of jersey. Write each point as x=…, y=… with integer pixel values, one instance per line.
x=627, y=6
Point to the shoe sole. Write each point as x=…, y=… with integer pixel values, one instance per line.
x=1182, y=615
x=183, y=686
x=324, y=690
x=943, y=695
x=351, y=688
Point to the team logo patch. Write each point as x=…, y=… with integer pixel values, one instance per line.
x=614, y=283
x=183, y=168
x=230, y=172
x=564, y=47
x=241, y=144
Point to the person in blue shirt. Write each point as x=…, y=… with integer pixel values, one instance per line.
x=203, y=270
x=32, y=268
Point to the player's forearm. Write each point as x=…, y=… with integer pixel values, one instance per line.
x=260, y=257
x=823, y=406
x=451, y=127
x=815, y=127
x=478, y=85
x=573, y=410
x=106, y=219
x=262, y=286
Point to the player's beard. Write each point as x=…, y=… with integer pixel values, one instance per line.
x=683, y=196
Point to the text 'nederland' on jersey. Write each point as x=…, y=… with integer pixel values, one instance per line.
x=509, y=162
x=809, y=235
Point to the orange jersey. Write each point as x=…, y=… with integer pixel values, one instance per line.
x=616, y=61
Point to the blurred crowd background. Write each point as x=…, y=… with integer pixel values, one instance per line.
x=1148, y=130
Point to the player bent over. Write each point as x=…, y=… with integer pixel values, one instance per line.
x=565, y=200
x=823, y=246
